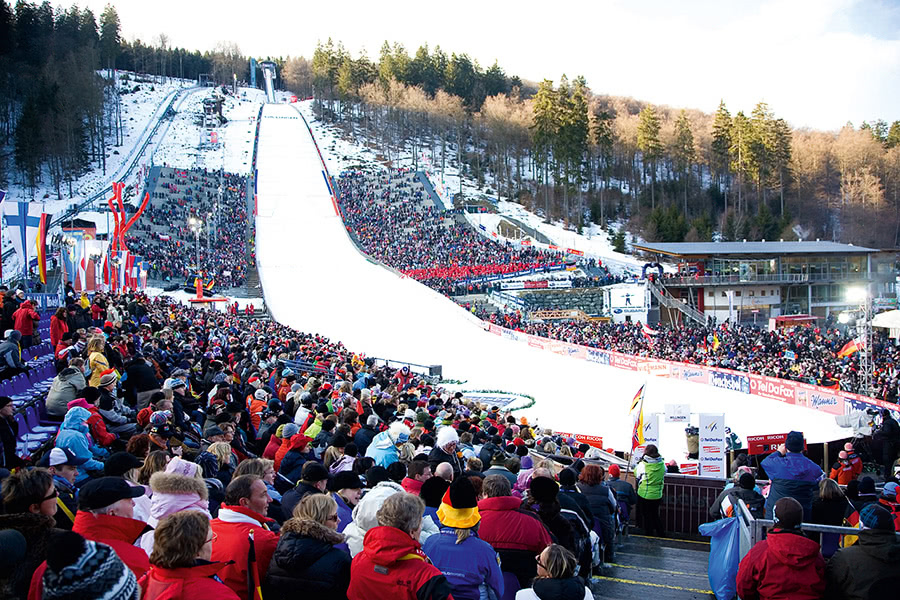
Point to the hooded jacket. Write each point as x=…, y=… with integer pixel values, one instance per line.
x=515, y=533
x=468, y=567
x=306, y=559
x=57, y=328
x=73, y=434
x=365, y=516
x=97, y=426
x=173, y=493
x=784, y=566
x=11, y=353
x=296, y=456
x=119, y=533
x=64, y=389
x=25, y=317
x=232, y=528
x=383, y=450
x=852, y=571
x=650, y=473
x=392, y=565
x=186, y=583
x=363, y=438
x=792, y=475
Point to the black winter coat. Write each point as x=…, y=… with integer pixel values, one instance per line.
x=363, y=438
x=573, y=499
x=307, y=564
x=438, y=456
x=141, y=378
x=598, y=499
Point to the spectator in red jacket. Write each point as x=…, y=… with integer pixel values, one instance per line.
x=517, y=535
x=786, y=565
x=58, y=326
x=105, y=511
x=24, y=319
x=246, y=502
x=181, y=567
x=392, y=564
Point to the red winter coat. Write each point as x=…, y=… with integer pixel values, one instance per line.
x=119, y=533
x=98, y=429
x=392, y=565
x=784, y=566
x=272, y=447
x=25, y=317
x=232, y=529
x=505, y=527
x=843, y=473
x=186, y=583
x=57, y=328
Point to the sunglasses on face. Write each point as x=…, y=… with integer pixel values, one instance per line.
x=332, y=518
x=537, y=559
x=51, y=496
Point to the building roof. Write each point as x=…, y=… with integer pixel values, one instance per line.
x=750, y=248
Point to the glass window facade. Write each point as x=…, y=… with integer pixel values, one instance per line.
x=808, y=268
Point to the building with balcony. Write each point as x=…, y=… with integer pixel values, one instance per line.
x=752, y=281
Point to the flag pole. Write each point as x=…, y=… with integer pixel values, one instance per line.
x=643, y=391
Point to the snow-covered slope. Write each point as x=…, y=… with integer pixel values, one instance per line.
x=315, y=280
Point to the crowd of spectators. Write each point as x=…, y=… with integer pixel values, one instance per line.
x=188, y=448
x=393, y=222
x=802, y=353
x=164, y=236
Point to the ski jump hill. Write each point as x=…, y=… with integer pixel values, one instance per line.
x=316, y=280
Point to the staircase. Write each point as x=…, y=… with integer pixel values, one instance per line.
x=658, y=568
x=252, y=285
x=669, y=301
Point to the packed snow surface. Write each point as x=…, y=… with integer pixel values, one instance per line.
x=316, y=280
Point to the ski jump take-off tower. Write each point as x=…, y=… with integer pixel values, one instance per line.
x=268, y=69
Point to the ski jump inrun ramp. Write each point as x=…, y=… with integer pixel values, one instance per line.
x=315, y=280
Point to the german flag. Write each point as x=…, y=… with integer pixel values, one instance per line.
x=41, y=243
x=715, y=343
x=848, y=349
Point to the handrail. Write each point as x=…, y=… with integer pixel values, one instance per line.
x=668, y=300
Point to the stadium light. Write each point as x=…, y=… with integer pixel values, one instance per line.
x=857, y=295
x=844, y=318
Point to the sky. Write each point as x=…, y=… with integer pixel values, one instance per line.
x=818, y=63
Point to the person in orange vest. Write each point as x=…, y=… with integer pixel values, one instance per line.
x=256, y=404
x=854, y=459
x=842, y=470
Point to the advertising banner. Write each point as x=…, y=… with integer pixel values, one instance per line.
x=712, y=445
x=678, y=413
x=735, y=382
x=764, y=444
x=591, y=440
x=690, y=468
x=651, y=429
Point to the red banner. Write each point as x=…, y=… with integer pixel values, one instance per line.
x=575, y=252
x=764, y=444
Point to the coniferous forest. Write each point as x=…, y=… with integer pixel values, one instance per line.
x=558, y=147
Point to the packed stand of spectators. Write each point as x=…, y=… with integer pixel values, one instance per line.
x=164, y=236
x=392, y=222
x=733, y=346
x=192, y=459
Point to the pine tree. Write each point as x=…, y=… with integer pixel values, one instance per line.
x=762, y=147
x=618, y=241
x=781, y=154
x=110, y=37
x=740, y=152
x=543, y=132
x=893, y=136
x=604, y=138
x=650, y=146
x=721, y=146
x=684, y=151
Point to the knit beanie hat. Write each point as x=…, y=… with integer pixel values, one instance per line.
x=614, y=471
x=866, y=485
x=794, y=442
x=787, y=513
x=747, y=481
x=567, y=477
x=543, y=489
x=459, y=506
x=80, y=569
x=433, y=491
x=874, y=516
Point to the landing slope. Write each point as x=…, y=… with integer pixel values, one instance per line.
x=315, y=280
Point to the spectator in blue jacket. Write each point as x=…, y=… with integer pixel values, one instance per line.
x=470, y=565
x=385, y=447
x=73, y=435
x=792, y=475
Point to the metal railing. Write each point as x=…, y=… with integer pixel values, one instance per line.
x=767, y=278
x=669, y=301
x=753, y=530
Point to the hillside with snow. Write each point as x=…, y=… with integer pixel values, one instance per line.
x=342, y=154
